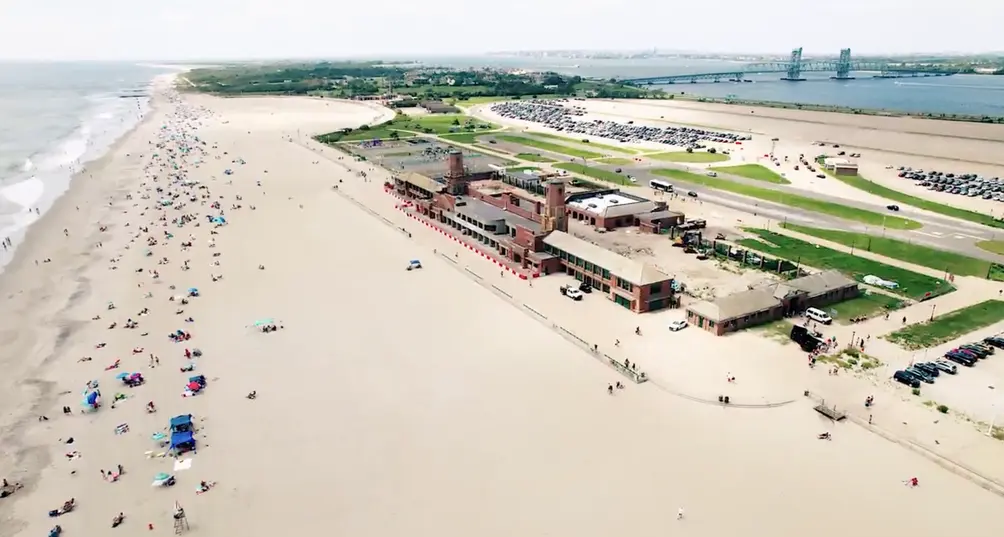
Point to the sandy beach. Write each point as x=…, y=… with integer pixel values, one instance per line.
x=387, y=401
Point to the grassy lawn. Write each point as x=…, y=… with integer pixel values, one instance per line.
x=793, y=200
x=911, y=284
x=866, y=305
x=949, y=326
x=548, y=146
x=683, y=156
x=534, y=157
x=921, y=203
x=614, y=148
x=430, y=124
x=619, y=161
x=461, y=137
x=444, y=89
x=754, y=171
x=924, y=256
x=596, y=173
x=996, y=247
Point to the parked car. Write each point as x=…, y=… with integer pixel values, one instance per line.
x=692, y=194
x=676, y=326
x=920, y=375
x=585, y=287
x=988, y=348
x=571, y=292
x=959, y=358
x=821, y=176
x=978, y=351
x=928, y=368
x=995, y=341
x=906, y=378
x=949, y=368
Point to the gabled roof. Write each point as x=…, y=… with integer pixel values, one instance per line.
x=822, y=283
x=636, y=272
x=736, y=305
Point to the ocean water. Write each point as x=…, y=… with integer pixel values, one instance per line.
x=957, y=94
x=55, y=118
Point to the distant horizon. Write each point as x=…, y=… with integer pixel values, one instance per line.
x=422, y=56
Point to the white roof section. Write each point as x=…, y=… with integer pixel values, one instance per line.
x=612, y=204
x=636, y=272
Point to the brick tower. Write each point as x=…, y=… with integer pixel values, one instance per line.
x=554, y=207
x=454, y=172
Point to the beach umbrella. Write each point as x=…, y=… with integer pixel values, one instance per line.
x=123, y=375
x=263, y=322
x=193, y=290
x=92, y=398
x=194, y=386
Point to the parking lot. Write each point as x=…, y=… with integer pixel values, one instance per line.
x=562, y=115
x=420, y=155
x=964, y=184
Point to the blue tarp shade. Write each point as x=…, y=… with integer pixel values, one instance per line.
x=181, y=423
x=92, y=398
x=183, y=440
x=219, y=220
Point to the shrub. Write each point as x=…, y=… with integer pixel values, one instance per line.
x=916, y=391
x=943, y=409
x=712, y=150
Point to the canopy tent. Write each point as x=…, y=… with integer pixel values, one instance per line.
x=183, y=441
x=264, y=322
x=122, y=376
x=182, y=423
x=218, y=220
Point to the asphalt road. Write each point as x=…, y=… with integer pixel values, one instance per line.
x=938, y=232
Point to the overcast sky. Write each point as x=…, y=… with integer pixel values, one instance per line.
x=236, y=29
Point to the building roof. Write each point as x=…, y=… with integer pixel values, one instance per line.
x=736, y=305
x=486, y=212
x=636, y=272
x=657, y=215
x=822, y=282
x=422, y=181
x=610, y=203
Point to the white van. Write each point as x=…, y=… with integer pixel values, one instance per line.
x=819, y=316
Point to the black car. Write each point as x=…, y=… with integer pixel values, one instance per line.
x=585, y=287
x=920, y=375
x=989, y=348
x=959, y=358
x=928, y=368
x=692, y=194
x=892, y=207
x=995, y=341
x=906, y=378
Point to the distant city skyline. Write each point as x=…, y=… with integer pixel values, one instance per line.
x=193, y=30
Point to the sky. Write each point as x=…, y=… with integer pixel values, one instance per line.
x=272, y=29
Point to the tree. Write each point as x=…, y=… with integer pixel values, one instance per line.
x=712, y=150
x=394, y=135
x=455, y=122
x=690, y=150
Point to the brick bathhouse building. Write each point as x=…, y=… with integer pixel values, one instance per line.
x=771, y=302
x=532, y=233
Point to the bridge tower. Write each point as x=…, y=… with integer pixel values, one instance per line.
x=794, y=73
x=844, y=65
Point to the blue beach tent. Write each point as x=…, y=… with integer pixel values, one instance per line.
x=180, y=424
x=182, y=442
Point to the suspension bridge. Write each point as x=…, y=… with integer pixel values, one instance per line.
x=843, y=66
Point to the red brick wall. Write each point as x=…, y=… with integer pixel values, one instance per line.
x=525, y=238
x=528, y=209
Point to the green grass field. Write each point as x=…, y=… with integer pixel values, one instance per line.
x=924, y=256
x=617, y=149
x=548, y=146
x=754, y=171
x=618, y=161
x=596, y=173
x=683, y=156
x=949, y=326
x=911, y=284
x=920, y=203
x=534, y=157
x=793, y=200
x=461, y=137
x=431, y=124
x=996, y=247
x=866, y=305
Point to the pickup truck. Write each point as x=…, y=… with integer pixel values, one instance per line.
x=571, y=292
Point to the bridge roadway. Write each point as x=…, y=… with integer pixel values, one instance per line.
x=938, y=231
x=886, y=70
